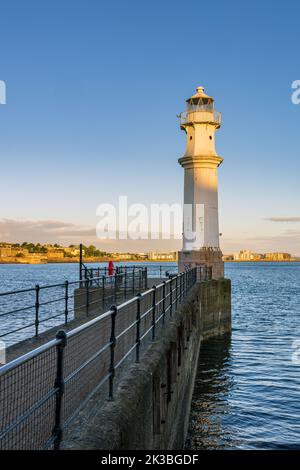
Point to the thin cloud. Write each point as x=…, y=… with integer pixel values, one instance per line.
x=283, y=219
x=287, y=241
x=56, y=231
x=43, y=231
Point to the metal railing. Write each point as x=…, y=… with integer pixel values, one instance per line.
x=42, y=391
x=93, y=272
x=196, y=115
x=26, y=313
x=153, y=270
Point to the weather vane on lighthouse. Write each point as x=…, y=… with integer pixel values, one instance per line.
x=200, y=162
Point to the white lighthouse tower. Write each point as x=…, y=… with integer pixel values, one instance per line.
x=200, y=163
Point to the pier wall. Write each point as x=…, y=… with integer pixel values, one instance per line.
x=152, y=403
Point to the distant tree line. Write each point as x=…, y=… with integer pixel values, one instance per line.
x=31, y=247
x=89, y=251
x=92, y=252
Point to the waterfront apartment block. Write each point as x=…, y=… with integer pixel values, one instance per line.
x=247, y=255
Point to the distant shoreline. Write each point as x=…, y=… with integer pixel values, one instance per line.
x=264, y=261
x=89, y=260
x=86, y=261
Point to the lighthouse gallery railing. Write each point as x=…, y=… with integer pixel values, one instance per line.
x=208, y=116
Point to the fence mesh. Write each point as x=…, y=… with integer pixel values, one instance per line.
x=27, y=402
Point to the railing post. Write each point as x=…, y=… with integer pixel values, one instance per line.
x=87, y=298
x=140, y=278
x=138, y=327
x=171, y=297
x=153, y=312
x=103, y=289
x=176, y=290
x=85, y=275
x=164, y=302
x=59, y=386
x=66, y=301
x=91, y=278
x=125, y=282
x=80, y=264
x=180, y=286
x=115, y=286
x=37, y=308
x=133, y=286
x=112, y=351
x=146, y=277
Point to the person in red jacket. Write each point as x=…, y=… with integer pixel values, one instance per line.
x=110, y=268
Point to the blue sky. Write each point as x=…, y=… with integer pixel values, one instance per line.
x=93, y=89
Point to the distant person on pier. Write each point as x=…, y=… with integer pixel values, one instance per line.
x=110, y=268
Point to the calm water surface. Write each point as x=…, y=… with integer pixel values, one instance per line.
x=247, y=394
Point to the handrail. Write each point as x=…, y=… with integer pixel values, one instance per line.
x=43, y=303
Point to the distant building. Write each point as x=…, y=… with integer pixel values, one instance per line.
x=228, y=257
x=247, y=255
x=257, y=257
x=31, y=258
x=55, y=253
x=72, y=251
x=9, y=251
x=243, y=255
x=278, y=256
x=143, y=256
x=125, y=256
x=170, y=256
x=19, y=250
x=5, y=251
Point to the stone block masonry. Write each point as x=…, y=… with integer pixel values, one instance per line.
x=152, y=403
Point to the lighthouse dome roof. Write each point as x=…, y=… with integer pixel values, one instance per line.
x=200, y=96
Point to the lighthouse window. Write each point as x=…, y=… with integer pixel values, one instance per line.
x=191, y=137
x=210, y=137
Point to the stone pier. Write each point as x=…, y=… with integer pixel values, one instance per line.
x=152, y=402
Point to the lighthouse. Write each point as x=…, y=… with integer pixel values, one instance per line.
x=200, y=162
